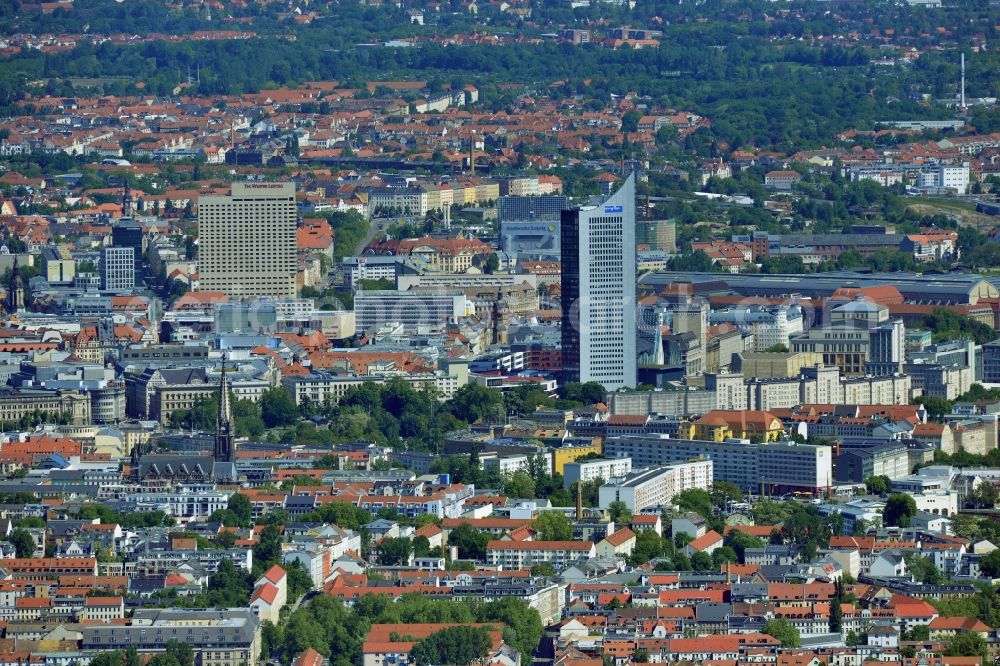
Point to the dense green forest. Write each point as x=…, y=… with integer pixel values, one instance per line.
x=754, y=97
x=742, y=68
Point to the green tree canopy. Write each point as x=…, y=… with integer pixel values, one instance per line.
x=553, y=526
x=455, y=645
x=923, y=569
x=278, y=408
x=24, y=544
x=696, y=500
x=899, y=508
x=240, y=505
x=990, y=564
x=619, y=513
x=968, y=644
x=474, y=402
x=394, y=551
x=470, y=543
x=878, y=485
x=783, y=630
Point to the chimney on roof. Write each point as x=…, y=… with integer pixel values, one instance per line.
x=472, y=153
x=962, y=101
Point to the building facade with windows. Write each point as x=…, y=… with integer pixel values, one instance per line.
x=117, y=269
x=229, y=637
x=521, y=554
x=598, y=291
x=656, y=487
x=773, y=467
x=246, y=244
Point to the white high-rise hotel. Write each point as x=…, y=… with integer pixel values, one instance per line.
x=598, y=291
x=246, y=244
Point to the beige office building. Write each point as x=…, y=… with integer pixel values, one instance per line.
x=246, y=245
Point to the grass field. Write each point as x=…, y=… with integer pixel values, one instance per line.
x=962, y=211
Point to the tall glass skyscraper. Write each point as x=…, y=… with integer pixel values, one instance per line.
x=598, y=291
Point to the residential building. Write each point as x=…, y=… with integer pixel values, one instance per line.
x=937, y=380
x=590, y=470
x=774, y=467
x=781, y=179
x=616, y=545
x=720, y=425
x=656, y=487
x=523, y=554
x=218, y=637
x=689, y=523
x=270, y=594
x=104, y=609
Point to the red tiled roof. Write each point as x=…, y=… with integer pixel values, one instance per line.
x=620, y=536
x=706, y=540
x=274, y=574
x=266, y=592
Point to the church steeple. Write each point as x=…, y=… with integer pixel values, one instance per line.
x=127, y=200
x=15, y=289
x=225, y=445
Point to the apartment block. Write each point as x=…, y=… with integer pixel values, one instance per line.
x=775, y=466
x=524, y=554
x=656, y=488
x=590, y=470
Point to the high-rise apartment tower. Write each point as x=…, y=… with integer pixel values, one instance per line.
x=246, y=245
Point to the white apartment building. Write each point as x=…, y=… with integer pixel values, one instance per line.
x=508, y=464
x=889, y=390
x=185, y=504
x=525, y=186
x=589, y=470
x=655, y=488
x=322, y=387
x=246, y=245
x=955, y=177
x=777, y=465
x=104, y=609
x=769, y=326
x=406, y=200
x=523, y=554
